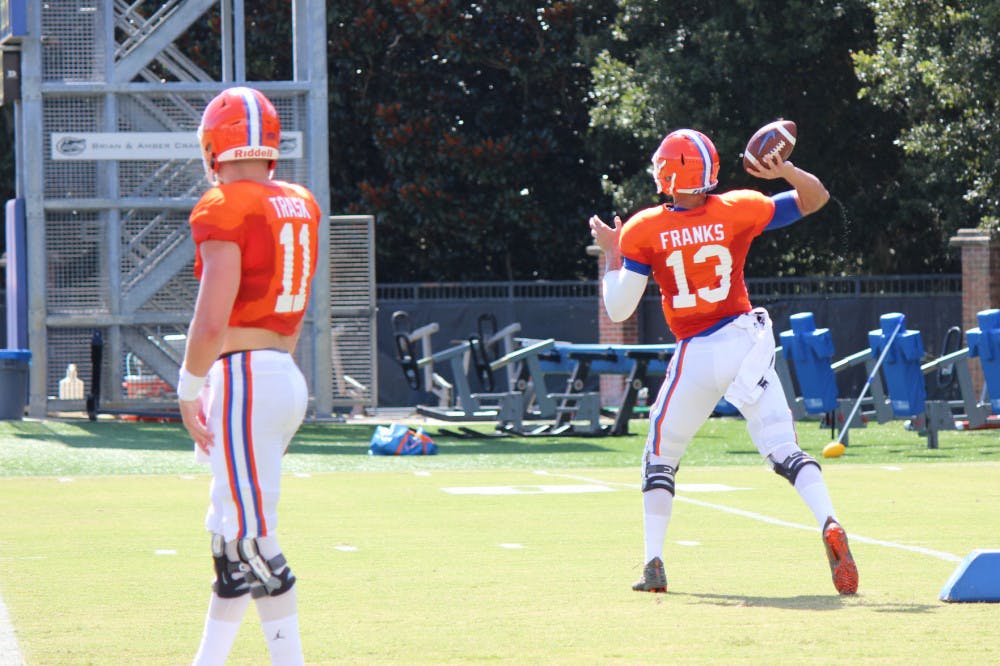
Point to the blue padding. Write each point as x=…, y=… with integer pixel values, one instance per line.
x=984, y=342
x=786, y=211
x=617, y=363
x=725, y=408
x=811, y=354
x=977, y=578
x=15, y=355
x=901, y=367
x=16, y=231
x=636, y=266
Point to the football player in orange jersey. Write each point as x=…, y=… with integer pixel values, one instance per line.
x=242, y=397
x=695, y=247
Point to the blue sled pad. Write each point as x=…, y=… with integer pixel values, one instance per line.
x=977, y=578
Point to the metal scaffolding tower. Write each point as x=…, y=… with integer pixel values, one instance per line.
x=109, y=168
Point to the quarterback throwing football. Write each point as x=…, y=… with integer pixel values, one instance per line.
x=242, y=397
x=695, y=247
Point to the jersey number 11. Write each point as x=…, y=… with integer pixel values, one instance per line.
x=288, y=301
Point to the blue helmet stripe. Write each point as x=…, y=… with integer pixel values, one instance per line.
x=254, y=126
x=706, y=156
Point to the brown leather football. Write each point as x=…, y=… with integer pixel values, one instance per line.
x=775, y=137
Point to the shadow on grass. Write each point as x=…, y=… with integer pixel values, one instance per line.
x=519, y=446
x=312, y=439
x=343, y=442
x=919, y=454
x=721, y=442
x=105, y=434
x=815, y=602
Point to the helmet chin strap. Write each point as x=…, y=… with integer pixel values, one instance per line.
x=211, y=176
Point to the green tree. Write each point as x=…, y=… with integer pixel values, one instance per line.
x=461, y=126
x=936, y=64
x=728, y=67
x=268, y=22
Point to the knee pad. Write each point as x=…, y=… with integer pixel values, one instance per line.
x=658, y=476
x=267, y=577
x=771, y=431
x=792, y=465
x=230, y=579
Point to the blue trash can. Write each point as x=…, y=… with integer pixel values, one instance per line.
x=14, y=364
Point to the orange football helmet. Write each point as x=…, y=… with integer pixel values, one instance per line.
x=686, y=163
x=238, y=124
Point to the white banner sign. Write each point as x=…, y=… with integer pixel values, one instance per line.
x=155, y=146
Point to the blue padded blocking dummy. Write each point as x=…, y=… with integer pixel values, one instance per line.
x=901, y=366
x=977, y=578
x=984, y=342
x=811, y=352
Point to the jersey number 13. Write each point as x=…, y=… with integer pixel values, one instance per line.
x=685, y=298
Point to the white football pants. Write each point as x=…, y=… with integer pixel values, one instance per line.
x=257, y=400
x=700, y=372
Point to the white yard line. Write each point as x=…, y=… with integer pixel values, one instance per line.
x=856, y=538
x=10, y=653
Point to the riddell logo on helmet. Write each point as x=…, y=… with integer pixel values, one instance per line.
x=250, y=153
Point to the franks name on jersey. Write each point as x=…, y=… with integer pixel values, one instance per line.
x=702, y=233
x=290, y=207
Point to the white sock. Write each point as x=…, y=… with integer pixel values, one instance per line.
x=221, y=626
x=812, y=489
x=657, y=505
x=279, y=621
x=283, y=641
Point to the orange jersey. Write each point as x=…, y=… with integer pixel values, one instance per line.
x=276, y=226
x=697, y=256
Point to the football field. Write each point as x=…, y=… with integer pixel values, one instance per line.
x=513, y=551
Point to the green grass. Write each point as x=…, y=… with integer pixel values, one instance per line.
x=79, y=447
x=103, y=558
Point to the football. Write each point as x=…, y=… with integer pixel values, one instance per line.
x=775, y=137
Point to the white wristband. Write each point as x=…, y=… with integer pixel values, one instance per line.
x=188, y=385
